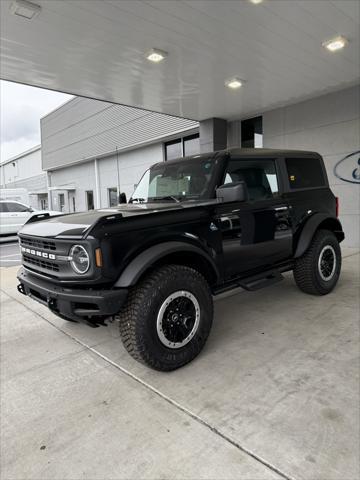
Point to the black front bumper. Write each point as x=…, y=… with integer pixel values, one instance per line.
x=88, y=306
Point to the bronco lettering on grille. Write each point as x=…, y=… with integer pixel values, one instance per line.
x=37, y=253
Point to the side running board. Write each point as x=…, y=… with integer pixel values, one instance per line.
x=261, y=280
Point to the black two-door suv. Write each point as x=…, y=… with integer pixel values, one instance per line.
x=193, y=228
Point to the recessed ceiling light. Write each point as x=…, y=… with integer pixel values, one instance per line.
x=234, y=83
x=155, y=55
x=25, y=9
x=335, y=44
x=256, y=2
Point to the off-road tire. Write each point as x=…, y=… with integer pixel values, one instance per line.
x=306, y=271
x=138, y=318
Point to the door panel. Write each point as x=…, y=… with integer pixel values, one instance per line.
x=5, y=225
x=17, y=220
x=12, y=222
x=254, y=235
x=12, y=218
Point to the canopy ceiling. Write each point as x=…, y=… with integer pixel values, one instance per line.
x=97, y=49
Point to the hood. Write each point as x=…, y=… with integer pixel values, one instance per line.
x=79, y=224
x=50, y=212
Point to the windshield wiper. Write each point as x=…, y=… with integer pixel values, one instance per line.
x=137, y=200
x=167, y=197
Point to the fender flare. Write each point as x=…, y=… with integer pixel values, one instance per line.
x=148, y=257
x=310, y=227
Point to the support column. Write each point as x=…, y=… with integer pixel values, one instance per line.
x=118, y=173
x=234, y=134
x=213, y=135
x=97, y=185
x=49, y=194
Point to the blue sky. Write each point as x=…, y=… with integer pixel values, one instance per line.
x=21, y=108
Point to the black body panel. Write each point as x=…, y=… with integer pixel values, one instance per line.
x=230, y=243
x=254, y=236
x=72, y=304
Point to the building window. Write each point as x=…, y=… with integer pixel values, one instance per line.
x=113, y=197
x=173, y=149
x=191, y=145
x=182, y=147
x=90, y=200
x=252, y=133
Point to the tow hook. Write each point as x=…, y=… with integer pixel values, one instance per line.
x=51, y=303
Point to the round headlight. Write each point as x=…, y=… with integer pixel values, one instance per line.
x=80, y=261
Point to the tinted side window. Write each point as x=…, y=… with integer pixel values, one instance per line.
x=305, y=172
x=17, y=207
x=3, y=207
x=259, y=176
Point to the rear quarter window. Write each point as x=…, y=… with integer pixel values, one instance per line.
x=305, y=173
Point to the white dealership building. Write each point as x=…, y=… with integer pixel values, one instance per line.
x=24, y=171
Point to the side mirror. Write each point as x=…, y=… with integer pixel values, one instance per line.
x=122, y=197
x=232, y=192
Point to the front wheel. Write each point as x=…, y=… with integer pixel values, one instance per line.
x=167, y=318
x=318, y=270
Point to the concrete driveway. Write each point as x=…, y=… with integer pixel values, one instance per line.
x=275, y=393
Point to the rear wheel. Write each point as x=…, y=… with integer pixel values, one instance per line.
x=318, y=270
x=167, y=318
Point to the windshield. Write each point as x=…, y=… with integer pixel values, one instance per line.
x=175, y=182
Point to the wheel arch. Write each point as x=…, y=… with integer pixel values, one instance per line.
x=178, y=253
x=317, y=222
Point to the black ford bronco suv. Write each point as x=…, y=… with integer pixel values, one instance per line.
x=193, y=228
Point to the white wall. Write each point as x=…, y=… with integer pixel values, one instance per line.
x=330, y=125
x=25, y=171
x=132, y=165
x=81, y=177
x=22, y=168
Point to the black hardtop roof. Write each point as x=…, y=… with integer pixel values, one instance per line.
x=269, y=152
x=248, y=153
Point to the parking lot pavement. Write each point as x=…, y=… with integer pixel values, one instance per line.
x=9, y=252
x=275, y=393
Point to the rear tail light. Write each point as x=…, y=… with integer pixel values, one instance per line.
x=337, y=206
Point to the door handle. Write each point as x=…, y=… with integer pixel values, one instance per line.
x=281, y=209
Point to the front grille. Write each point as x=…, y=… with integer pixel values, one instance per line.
x=54, y=267
x=36, y=243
